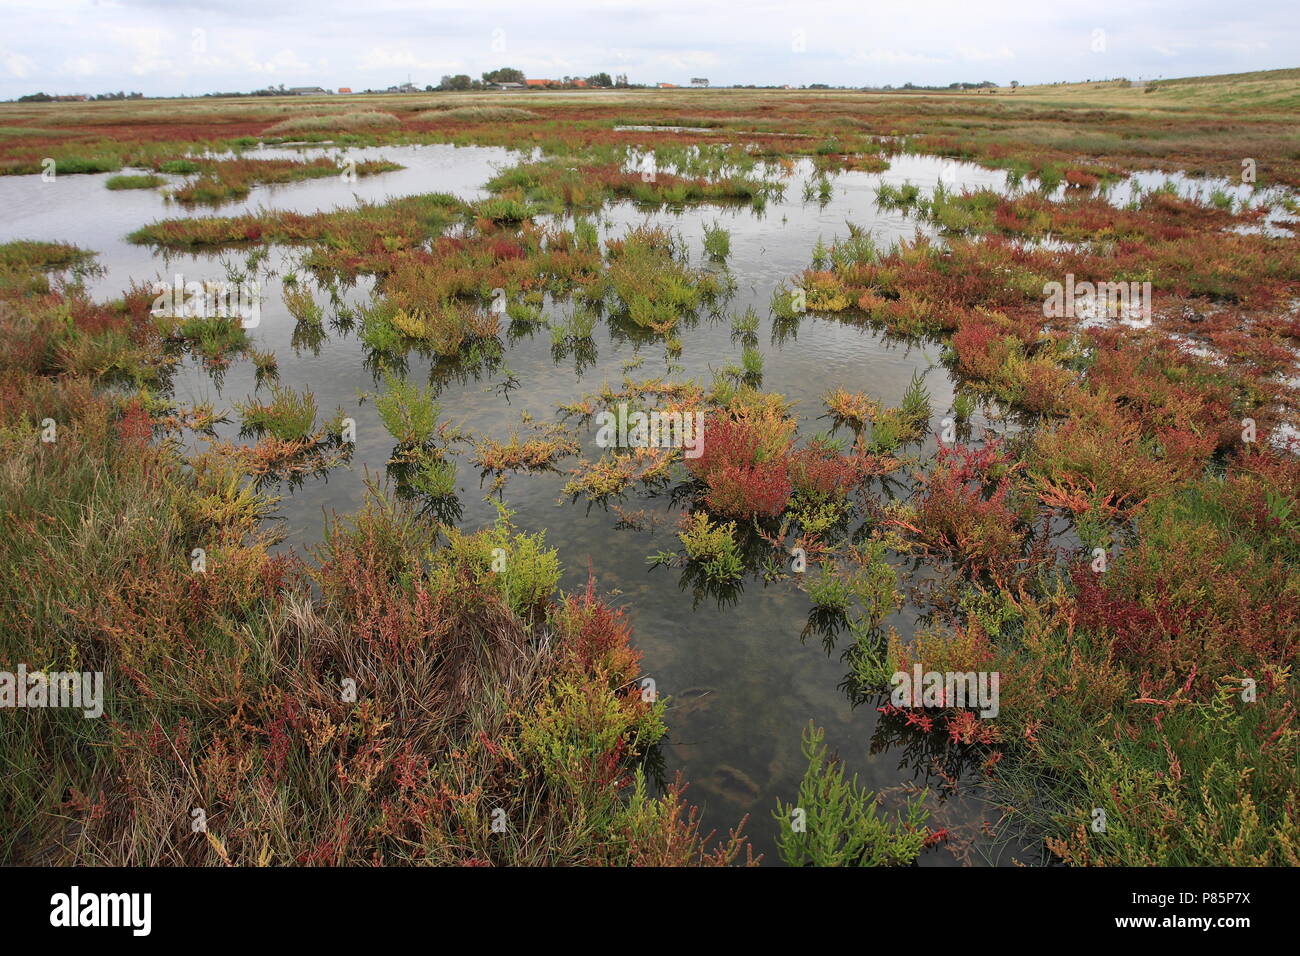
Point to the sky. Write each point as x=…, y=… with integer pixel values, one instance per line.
x=163, y=48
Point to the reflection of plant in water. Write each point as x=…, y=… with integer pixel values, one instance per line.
x=717, y=241
x=308, y=336
x=713, y=546
x=854, y=409
x=549, y=443
x=410, y=414
x=745, y=325
x=524, y=313
x=293, y=461
x=583, y=351
x=859, y=592
x=172, y=418
x=829, y=592
x=266, y=365
x=300, y=302
x=479, y=360
x=215, y=338
x=916, y=745
x=290, y=415
x=834, y=822
x=650, y=284
x=785, y=303
x=420, y=462
x=718, y=555
x=575, y=328
x=613, y=473
x=290, y=445
x=725, y=592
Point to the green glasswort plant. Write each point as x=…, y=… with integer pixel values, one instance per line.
x=717, y=241
x=713, y=546
x=915, y=406
x=745, y=325
x=837, y=823
x=289, y=416
x=409, y=413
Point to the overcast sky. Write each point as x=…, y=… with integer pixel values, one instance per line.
x=160, y=47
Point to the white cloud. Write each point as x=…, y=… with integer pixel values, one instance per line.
x=145, y=46
x=401, y=58
x=891, y=58
x=16, y=64
x=986, y=55
x=80, y=66
x=284, y=61
x=149, y=45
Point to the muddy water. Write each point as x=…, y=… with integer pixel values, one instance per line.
x=741, y=681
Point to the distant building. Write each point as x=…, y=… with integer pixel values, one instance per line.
x=509, y=86
x=667, y=86
x=701, y=81
x=533, y=83
x=345, y=89
x=306, y=91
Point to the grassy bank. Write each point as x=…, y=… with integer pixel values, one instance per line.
x=1202, y=125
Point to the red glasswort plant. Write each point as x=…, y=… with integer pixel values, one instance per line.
x=744, y=469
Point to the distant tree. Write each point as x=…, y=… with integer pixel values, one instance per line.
x=460, y=81
x=600, y=79
x=35, y=98
x=506, y=74
x=621, y=81
x=1015, y=84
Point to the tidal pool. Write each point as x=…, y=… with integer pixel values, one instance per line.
x=742, y=682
